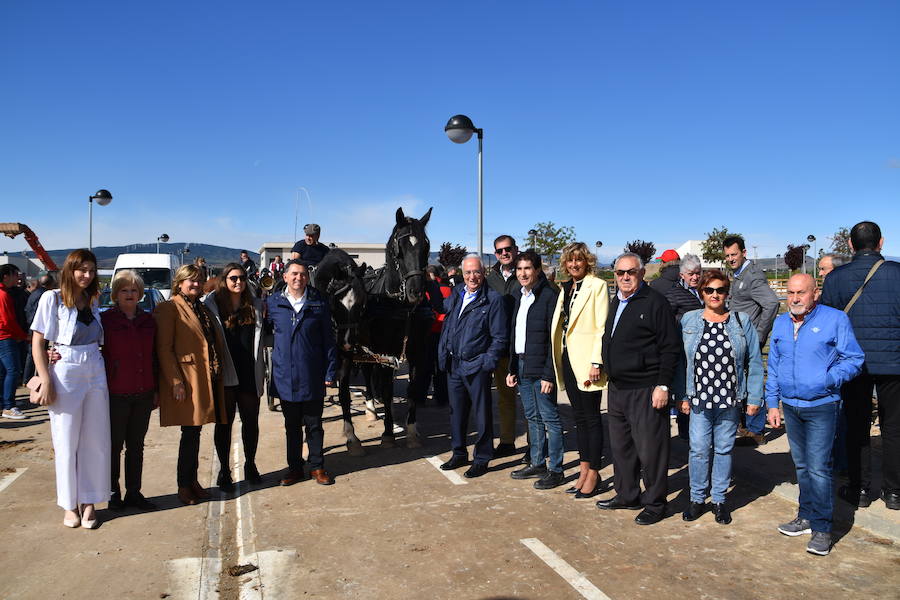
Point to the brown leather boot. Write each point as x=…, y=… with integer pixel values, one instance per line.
x=199, y=491
x=186, y=496
x=321, y=477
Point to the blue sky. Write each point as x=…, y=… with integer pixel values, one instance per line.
x=651, y=120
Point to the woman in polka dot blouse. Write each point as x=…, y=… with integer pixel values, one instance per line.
x=723, y=367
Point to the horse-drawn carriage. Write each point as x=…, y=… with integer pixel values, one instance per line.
x=372, y=313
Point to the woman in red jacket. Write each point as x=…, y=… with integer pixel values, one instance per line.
x=128, y=351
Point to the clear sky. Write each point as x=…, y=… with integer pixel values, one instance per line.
x=652, y=120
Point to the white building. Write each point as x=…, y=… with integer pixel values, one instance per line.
x=371, y=254
x=29, y=266
x=695, y=247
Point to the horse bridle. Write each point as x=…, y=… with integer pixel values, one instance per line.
x=395, y=250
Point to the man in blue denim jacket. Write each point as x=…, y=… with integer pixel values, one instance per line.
x=812, y=353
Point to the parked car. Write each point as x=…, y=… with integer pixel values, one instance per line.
x=152, y=297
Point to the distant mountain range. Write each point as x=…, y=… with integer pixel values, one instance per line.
x=216, y=256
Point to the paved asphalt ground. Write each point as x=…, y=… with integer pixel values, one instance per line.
x=394, y=526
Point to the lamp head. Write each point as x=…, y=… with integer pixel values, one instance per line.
x=102, y=197
x=810, y=238
x=164, y=238
x=459, y=129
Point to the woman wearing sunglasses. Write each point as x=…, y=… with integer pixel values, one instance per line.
x=189, y=347
x=239, y=316
x=724, y=366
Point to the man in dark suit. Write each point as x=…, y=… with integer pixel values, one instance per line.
x=473, y=340
x=641, y=350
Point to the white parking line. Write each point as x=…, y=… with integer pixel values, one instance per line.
x=453, y=476
x=7, y=481
x=564, y=570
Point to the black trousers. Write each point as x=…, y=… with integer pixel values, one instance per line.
x=129, y=418
x=437, y=377
x=417, y=354
x=857, y=401
x=588, y=424
x=639, y=441
x=468, y=393
x=188, y=455
x=247, y=403
x=299, y=415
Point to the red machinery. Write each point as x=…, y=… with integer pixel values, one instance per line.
x=11, y=230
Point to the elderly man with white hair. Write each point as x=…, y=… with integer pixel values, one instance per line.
x=684, y=297
x=473, y=340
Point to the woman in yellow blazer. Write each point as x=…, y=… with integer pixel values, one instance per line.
x=577, y=333
x=190, y=349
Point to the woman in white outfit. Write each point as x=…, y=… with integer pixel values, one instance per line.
x=74, y=388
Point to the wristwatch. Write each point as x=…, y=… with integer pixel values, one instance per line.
x=664, y=388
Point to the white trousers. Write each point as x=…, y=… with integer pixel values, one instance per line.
x=79, y=425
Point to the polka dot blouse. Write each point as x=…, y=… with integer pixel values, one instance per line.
x=715, y=379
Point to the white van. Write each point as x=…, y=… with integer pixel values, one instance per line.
x=157, y=270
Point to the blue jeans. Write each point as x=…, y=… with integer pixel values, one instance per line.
x=10, y=370
x=712, y=436
x=544, y=426
x=810, y=433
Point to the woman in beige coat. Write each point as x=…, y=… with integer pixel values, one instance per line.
x=577, y=333
x=191, y=389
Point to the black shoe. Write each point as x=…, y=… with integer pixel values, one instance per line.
x=476, y=470
x=572, y=490
x=723, y=515
x=136, y=500
x=891, y=499
x=855, y=496
x=549, y=481
x=504, y=449
x=530, y=472
x=455, y=462
x=224, y=481
x=526, y=458
x=645, y=517
x=615, y=503
x=115, y=502
x=598, y=489
x=251, y=474
x=694, y=511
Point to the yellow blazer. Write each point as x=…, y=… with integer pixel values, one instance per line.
x=584, y=338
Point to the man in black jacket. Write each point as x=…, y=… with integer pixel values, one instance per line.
x=531, y=369
x=641, y=349
x=668, y=273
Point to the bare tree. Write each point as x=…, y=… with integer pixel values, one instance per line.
x=794, y=256
x=645, y=250
x=450, y=255
x=840, y=241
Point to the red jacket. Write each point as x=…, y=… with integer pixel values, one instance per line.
x=438, y=322
x=128, y=350
x=9, y=327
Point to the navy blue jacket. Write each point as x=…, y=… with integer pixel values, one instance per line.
x=478, y=337
x=538, y=359
x=303, y=356
x=876, y=315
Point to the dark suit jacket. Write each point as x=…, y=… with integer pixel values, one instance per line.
x=478, y=337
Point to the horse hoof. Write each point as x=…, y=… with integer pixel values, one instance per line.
x=387, y=441
x=355, y=448
x=413, y=442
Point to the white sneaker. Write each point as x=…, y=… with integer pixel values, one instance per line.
x=13, y=413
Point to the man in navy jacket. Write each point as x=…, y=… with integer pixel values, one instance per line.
x=876, y=322
x=303, y=363
x=473, y=340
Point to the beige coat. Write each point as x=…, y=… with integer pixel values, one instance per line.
x=587, y=321
x=184, y=358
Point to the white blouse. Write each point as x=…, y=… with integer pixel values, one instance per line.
x=56, y=321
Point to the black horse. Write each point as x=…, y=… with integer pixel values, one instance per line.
x=394, y=291
x=341, y=280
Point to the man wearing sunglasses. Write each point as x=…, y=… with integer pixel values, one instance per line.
x=751, y=294
x=641, y=350
x=502, y=279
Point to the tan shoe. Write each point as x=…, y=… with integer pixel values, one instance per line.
x=321, y=477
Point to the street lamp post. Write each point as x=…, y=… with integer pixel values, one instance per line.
x=163, y=238
x=532, y=233
x=103, y=197
x=185, y=250
x=777, y=258
x=460, y=129
x=811, y=238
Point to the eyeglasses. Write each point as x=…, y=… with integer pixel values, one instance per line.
x=236, y=278
x=504, y=250
x=722, y=291
x=693, y=273
x=621, y=273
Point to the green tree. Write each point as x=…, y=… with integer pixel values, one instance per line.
x=840, y=241
x=550, y=239
x=645, y=250
x=450, y=255
x=711, y=248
